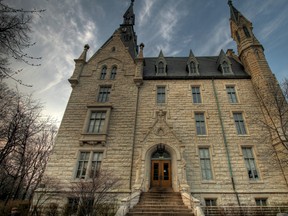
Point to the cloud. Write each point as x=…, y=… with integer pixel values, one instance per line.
x=218, y=38
x=145, y=12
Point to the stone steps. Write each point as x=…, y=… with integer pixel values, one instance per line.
x=160, y=203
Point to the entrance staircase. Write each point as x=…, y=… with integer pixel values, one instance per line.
x=160, y=202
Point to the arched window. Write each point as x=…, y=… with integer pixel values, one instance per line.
x=161, y=68
x=161, y=155
x=225, y=68
x=193, y=67
x=103, y=73
x=246, y=31
x=113, y=73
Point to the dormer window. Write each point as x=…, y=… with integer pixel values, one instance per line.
x=192, y=65
x=193, y=69
x=225, y=68
x=224, y=64
x=161, y=68
x=161, y=65
x=246, y=31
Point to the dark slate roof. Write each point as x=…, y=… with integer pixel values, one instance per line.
x=208, y=69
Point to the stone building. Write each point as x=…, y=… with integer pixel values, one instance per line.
x=187, y=123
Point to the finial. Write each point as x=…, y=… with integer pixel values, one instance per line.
x=132, y=2
x=230, y=2
x=141, y=51
x=86, y=47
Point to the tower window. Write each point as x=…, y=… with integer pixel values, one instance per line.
x=246, y=32
x=250, y=163
x=113, y=73
x=103, y=73
x=238, y=36
x=200, y=124
x=205, y=163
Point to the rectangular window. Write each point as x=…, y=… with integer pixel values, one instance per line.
x=72, y=205
x=210, y=202
x=261, y=201
x=239, y=123
x=89, y=164
x=200, y=124
x=104, y=93
x=161, y=94
x=96, y=122
x=196, y=96
x=231, y=94
x=250, y=163
x=205, y=163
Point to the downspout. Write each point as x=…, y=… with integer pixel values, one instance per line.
x=134, y=136
x=225, y=142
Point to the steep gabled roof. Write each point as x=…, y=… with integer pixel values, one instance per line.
x=208, y=68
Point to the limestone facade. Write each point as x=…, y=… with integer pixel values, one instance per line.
x=135, y=124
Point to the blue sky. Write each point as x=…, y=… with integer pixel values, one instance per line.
x=173, y=26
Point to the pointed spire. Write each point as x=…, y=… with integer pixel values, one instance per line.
x=129, y=16
x=84, y=53
x=234, y=13
x=161, y=54
x=191, y=54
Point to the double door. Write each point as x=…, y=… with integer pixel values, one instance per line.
x=161, y=173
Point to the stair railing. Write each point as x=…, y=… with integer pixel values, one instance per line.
x=130, y=201
x=190, y=201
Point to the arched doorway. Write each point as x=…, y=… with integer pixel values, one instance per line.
x=161, y=171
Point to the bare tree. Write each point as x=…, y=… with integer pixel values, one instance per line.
x=15, y=32
x=95, y=196
x=273, y=100
x=27, y=139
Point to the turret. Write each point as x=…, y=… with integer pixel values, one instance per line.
x=79, y=63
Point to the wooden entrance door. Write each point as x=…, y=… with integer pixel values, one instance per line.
x=161, y=173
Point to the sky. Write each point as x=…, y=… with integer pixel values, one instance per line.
x=175, y=26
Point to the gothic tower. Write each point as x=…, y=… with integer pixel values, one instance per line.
x=272, y=102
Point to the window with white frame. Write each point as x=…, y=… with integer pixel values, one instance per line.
x=103, y=73
x=161, y=94
x=104, y=93
x=196, y=94
x=250, y=163
x=96, y=122
x=210, y=202
x=113, y=73
x=205, y=163
x=200, y=124
x=89, y=164
x=261, y=201
x=231, y=92
x=239, y=123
